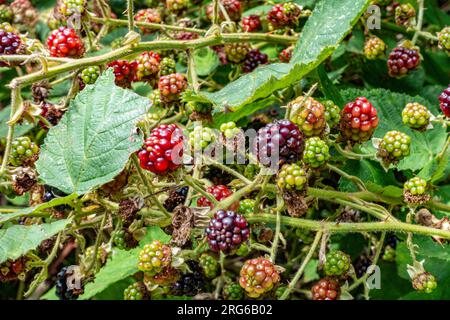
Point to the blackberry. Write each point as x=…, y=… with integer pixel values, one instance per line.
x=135, y=291
x=414, y=191
x=232, y=291
x=332, y=113
x=405, y=15
x=9, y=43
x=119, y=240
x=292, y=177
x=64, y=42
x=258, y=276
x=149, y=16
x=359, y=120
x=237, y=52
x=154, y=257
x=416, y=116
x=219, y=192
x=70, y=7
x=171, y=86
x=361, y=265
x=166, y=277
x=147, y=65
x=176, y=197
x=229, y=129
x=227, y=230
x=316, y=152
x=155, y=98
x=23, y=152
x=424, y=282
x=284, y=15
x=210, y=265
x=326, y=289
x=232, y=7
x=394, y=146
x=253, y=59
x=90, y=74
x=444, y=99
x=201, y=137
x=246, y=206
x=309, y=115
x=124, y=72
x=6, y=13
x=374, y=48
x=337, y=263
x=444, y=39
x=192, y=283
x=402, y=60
x=286, y=54
x=167, y=66
x=389, y=254
x=176, y=6
x=282, y=139
x=251, y=23
x=163, y=149
x=68, y=283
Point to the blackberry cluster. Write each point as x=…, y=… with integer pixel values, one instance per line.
x=201, y=137
x=282, y=139
x=135, y=291
x=246, y=206
x=210, y=265
x=171, y=86
x=124, y=72
x=415, y=186
x=191, y=283
x=309, y=115
x=416, y=116
x=258, y=276
x=374, y=48
x=176, y=6
x=444, y=99
x=9, y=43
x=6, y=14
x=70, y=7
x=405, y=15
x=402, y=60
x=232, y=291
x=332, y=113
x=150, y=16
x=284, y=15
x=337, y=263
x=64, y=42
x=237, y=52
x=394, y=146
x=359, y=120
x=227, y=230
x=23, y=151
x=292, y=177
x=67, y=287
x=90, y=74
x=219, y=192
x=326, y=289
x=253, y=59
x=154, y=257
x=424, y=282
x=444, y=38
x=229, y=129
x=147, y=65
x=232, y=7
x=316, y=152
x=167, y=66
x=251, y=23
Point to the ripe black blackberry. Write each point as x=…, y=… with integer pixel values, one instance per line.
x=361, y=265
x=175, y=198
x=191, y=283
x=253, y=59
x=66, y=284
x=9, y=42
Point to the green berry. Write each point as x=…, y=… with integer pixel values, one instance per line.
x=424, y=282
x=292, y=177
x=389, y=254
x=243, y=250
x=415, y=186
x=444, y=38
x=236, y=52
x=233, y=291
x=154, y=257
x=246, y=206
x=337, y=263
x=199, y=107
x=176, y=5
x=70, y=7
x=210, y=265
x=332, y=113
x=119, y=240
x=394, y=146
x=155, y=98
x=416, y=116
x=374, y=48
x=405, y=15
x=229, y=129
x=6, y=14
x=90, y=74
x=201, y=137
x=167, y=66
x=23, y=150
x=135, y=291
x=316, y=152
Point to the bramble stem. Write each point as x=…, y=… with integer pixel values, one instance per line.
x=130, y=14
x=419, y=21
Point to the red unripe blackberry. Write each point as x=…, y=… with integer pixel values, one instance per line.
x=402, y=60
x=227, y=230
x=219, y=192
x=359, y=120
x=147, y=65
x=326, y=289
x=251, y=23
x=284, y=15
x=171, y=86
x=64, y=42
x=258, y=276
x=444, y=99
x=280, y=138
x=253, y=59
x=309, y=115
x=9, y=42
x=149, y=16
x=286, y=55
x=162, y=150
x=232, y=7
x=124, y=71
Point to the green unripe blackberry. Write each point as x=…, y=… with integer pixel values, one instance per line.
x=236, y=52
x=389, y=254
x=415, y=186
x=374, y=48
x=155, y=98
x=201, y=137
x=229, y=129
x=243, y=250
x=6, y=14
x=246, y=206
x=337, y=263
x=424, y=282
x=309, y=115
x=135, y=291
x=194, y=106
x=167, y=66
x=292, y=177
x=416, y=116
x=233, y=291
x=154, y=257
x=70, y=7
x=332, y=113
x=23, y=151
x=405, y=15
x=119, y=240
x=210, y=265
x=444, y=38
x=90, y=74
x=316, y=152
x=394, y=146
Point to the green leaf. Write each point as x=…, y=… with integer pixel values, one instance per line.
x=329, y=24
x=30, y=210
x=94, y=139
x=121, y=265
x=328, y=88
x=424, y=145
x=17, y=240
x=19, y=130
x=206, y=61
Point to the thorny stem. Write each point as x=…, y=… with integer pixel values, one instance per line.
x=352, y=155
x=94, y=261
x=409, y=239
x=299, y=272
x=419, y=21
x=191, y=183
x=276, y=238
x=15, y=104
x=130, y=15
x=227, y=169
x=357, y=181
